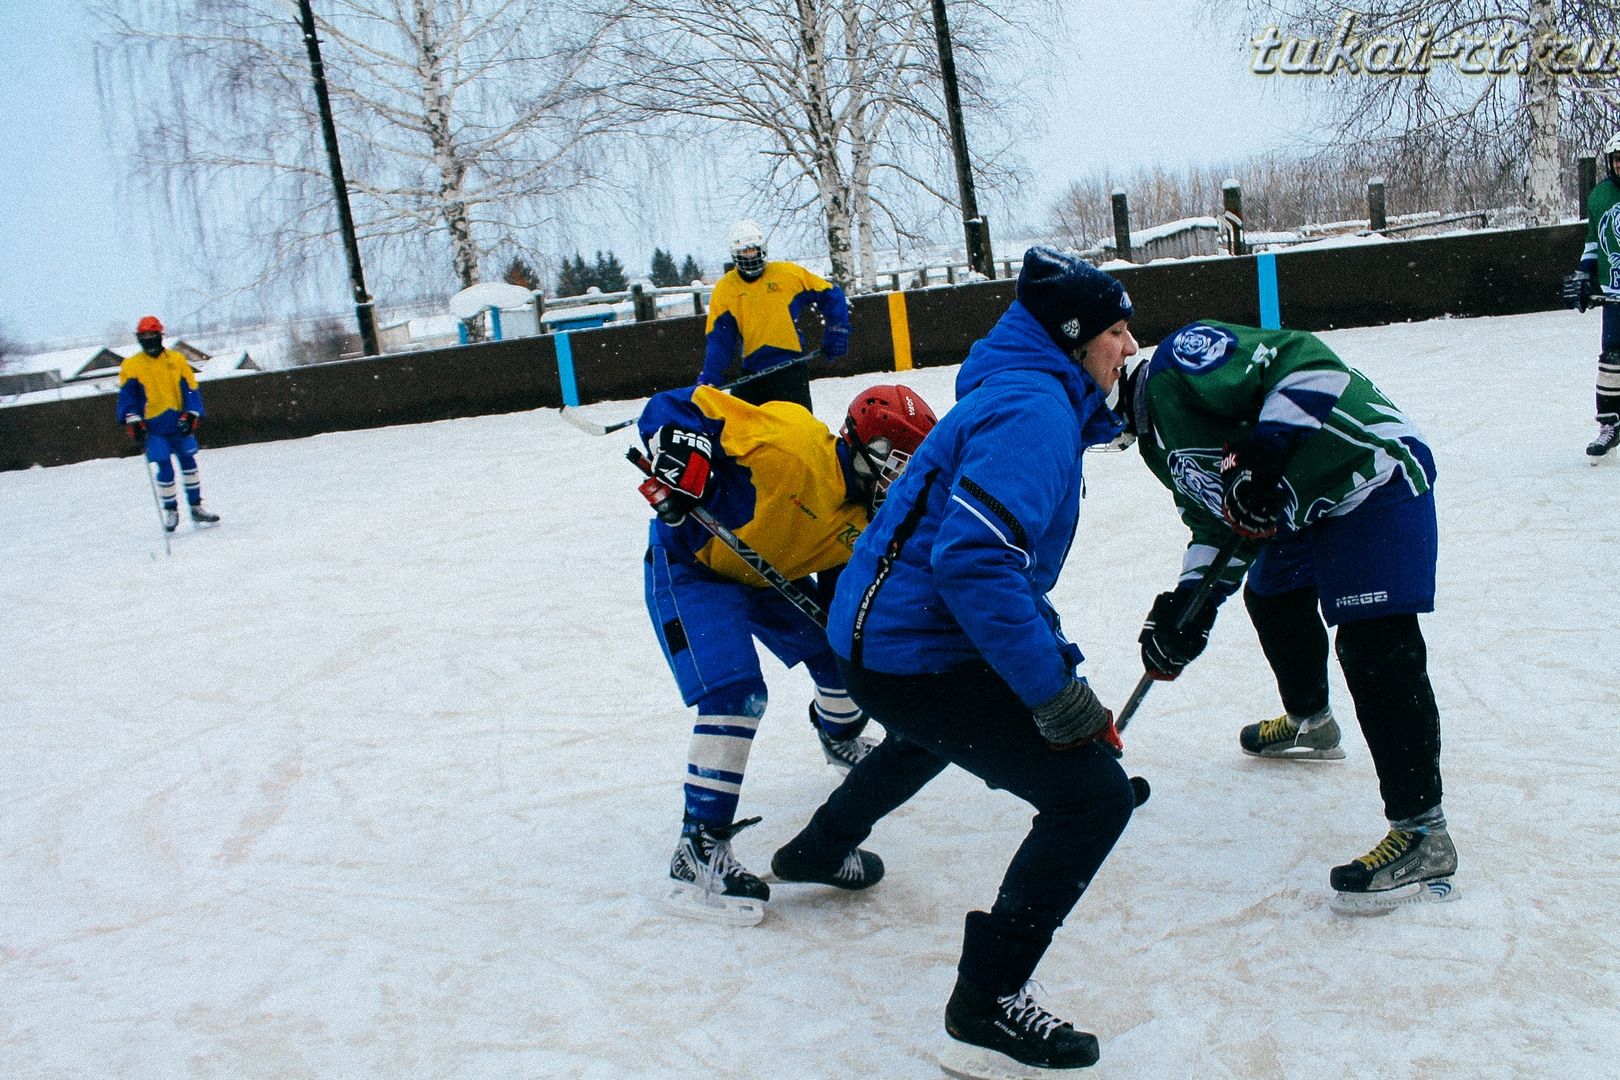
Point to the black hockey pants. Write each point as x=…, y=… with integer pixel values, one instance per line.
x=1385, y=665
x=971, y=718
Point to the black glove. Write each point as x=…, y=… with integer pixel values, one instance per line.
x=1166, y=650
x=1578, y=290
x=1252, y=493
x=135, y=428
x=188, y=423
x=1073, y=717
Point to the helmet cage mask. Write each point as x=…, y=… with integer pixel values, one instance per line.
x=747, y=244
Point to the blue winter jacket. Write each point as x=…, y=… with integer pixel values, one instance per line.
x=955, y=567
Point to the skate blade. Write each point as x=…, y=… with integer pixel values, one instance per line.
x=964, y=1061
x=1301, y=753
x=691, y=902
x=1436, y=891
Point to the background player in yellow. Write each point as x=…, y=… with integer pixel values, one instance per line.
x=161, y=409
x=752, y=319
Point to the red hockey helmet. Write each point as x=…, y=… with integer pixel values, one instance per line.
x=149, y=324
x=884, y=426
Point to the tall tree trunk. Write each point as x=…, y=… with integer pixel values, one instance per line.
x=1542, y=187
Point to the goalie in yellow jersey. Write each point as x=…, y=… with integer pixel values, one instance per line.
x=798, y=495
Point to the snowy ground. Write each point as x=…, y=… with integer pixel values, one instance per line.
x=380, y=779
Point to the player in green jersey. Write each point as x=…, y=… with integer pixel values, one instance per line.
x=1268, y=434
x=1598, y=280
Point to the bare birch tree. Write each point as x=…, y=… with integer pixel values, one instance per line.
x=461, y=123
x=1517, y=82
x=841, y=97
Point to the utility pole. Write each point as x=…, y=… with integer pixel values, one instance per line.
x=364, y=309
x=975, y=229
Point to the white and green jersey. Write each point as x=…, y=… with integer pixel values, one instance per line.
x=1601, y=256
x=1211, y=384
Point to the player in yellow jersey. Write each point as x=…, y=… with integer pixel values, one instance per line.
x=752, y=317
x=799, y=496
x=161, y=409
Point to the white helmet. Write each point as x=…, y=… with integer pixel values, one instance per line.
x=746, y=236
x=1611, y=148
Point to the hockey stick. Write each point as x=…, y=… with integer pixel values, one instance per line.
x=157, y=501
x=757, y=562
x=1200, y=597
x=572, y=414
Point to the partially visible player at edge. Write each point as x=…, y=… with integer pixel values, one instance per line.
x=1599, y=275
x=799, y=496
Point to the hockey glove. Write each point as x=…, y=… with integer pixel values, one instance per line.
x=670, y=505
x=1073, y=717
x=834, y=343
x=188, y=423
x=1166, y=649
x=1252, y=493
x=135, y=428
x=1578, y=290
x=680, y=458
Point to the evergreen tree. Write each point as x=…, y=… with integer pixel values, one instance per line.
x=574, y=277
x=521, y=273
x=663, y=271
x=690, y=271
x=610, y=273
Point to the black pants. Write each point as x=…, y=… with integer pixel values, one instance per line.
x=971, y=718
x=1385, y=664
x=791, y=383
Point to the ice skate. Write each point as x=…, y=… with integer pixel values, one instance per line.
x=202, y=517
x=857, y=870
x=1405, y=868
x=711, y=884
x=841, y=754
x=1317, y=739
x=1010, y=1038
x=171, y=518
x=1601, y=449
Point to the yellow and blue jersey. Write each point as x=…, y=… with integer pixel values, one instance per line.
x=158, y=389
x=775, y=481
x=755, y=319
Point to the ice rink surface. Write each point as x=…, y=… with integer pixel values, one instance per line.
x=380, y=780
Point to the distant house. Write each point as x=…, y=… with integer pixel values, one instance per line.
x=103, y=363
x=226, y=364
x=94, y=370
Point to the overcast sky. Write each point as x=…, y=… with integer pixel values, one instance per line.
x=84, y=257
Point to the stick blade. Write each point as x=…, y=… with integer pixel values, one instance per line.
x=591, y=427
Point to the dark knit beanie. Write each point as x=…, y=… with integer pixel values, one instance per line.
x=1068, y=296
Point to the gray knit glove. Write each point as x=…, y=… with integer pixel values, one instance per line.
x=1071, y=716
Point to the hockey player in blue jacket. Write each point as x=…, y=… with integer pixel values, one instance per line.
x=945, y=636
